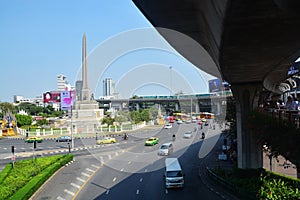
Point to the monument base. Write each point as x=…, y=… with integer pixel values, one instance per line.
x=86, y=117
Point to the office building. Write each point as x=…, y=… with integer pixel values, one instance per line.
x=108, y=87
x=61, y=82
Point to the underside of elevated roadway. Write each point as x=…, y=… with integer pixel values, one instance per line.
x=249, y=43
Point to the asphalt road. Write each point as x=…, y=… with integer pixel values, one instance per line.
x=130, y=170
x=22, y=147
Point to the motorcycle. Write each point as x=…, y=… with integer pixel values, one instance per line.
x=173, y=137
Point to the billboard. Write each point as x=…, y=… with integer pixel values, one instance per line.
x=51, y=97
x=215, y=85
x=67, y=99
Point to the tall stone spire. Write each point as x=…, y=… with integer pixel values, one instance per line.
x=85, y=93
x=84, y=63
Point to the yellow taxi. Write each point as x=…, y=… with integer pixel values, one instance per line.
x=107, y=140
x=33, y=139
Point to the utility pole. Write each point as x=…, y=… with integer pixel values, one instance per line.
x=72, y=142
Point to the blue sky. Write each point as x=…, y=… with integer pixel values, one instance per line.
x=41, y=39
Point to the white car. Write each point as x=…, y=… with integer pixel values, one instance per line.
x=187, y=134
x=165, y=149
x=167, y=126
x=179, y=121
x=188, y=121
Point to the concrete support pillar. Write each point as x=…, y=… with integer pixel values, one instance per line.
x=197, y=108
x=219, y=107
x=249, y=151
x=176, y=107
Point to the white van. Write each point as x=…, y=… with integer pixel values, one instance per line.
x=173, y=173
x=165, y=149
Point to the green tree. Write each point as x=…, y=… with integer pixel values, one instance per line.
x=42, y=122
x=153, y=112
x=145, y=115
x=135, y=116
x=120, y=119
x=108, y=121
x=6, y=107
x=23, y=120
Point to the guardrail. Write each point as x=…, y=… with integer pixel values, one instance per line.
x=292, y=116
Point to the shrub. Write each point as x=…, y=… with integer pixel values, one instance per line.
x=29, y=174
x=261, y=184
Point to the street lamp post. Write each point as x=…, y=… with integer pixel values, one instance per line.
x=170, y=80
x=72, y=139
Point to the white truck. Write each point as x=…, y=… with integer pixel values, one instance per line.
x=173, y=173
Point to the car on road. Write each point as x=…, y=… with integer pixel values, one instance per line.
x=179, y=121
x=33, y=139
x=151, y=141
x=107, y=140
x=165, y=149
x=187, y=134
x=168, y=126
x=188, y=121
x=64, y=139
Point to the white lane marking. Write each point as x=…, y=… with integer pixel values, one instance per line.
x=137, y=191
x=129, y=162
x=141, y=179
x=69, y=192
x=114, y=179
x=146, y=170
x=95, y=166
x=101, y=160
x=90, y=170
x=75, y=185
x=167, y=191
x=60, y=198
x=109, y=157
x=107, y=191
x=122, y=169
x=85, y=174
x=79, y=179
x=116, y=153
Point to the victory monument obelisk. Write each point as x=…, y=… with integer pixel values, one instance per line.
x=86, y=114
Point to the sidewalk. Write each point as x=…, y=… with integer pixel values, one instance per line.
x=218, y=160
x=280, y=166
x=212, y=161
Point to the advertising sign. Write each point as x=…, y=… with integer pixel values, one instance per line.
x=215, y=85
x=67, y=99
x=51, y=97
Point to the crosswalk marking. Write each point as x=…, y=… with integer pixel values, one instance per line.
x=75, y=185
x=69, y=192
x=79, y=179
x=85, y=174
x=90, y=170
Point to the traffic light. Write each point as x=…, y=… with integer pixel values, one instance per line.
x=13, y=149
